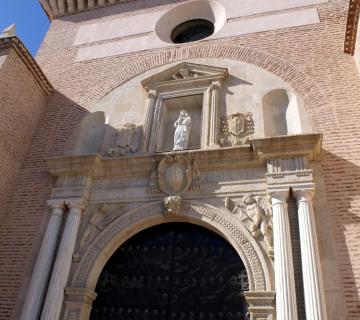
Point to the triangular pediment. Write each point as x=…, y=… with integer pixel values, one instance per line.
x=185, y=72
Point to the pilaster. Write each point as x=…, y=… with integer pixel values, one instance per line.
x=150, y=109
x=214, y=114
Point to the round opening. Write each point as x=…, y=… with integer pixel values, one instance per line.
x=191, y=21
x=192, y=30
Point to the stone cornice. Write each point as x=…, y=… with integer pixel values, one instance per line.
x=16, y=44
x=308, y=145
x=351, y=26
x=254, y=155
x=58, y=8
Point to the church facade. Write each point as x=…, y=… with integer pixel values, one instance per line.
x=182, y=160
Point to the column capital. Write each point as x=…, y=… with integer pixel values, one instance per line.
x=79, y=204
x=56, y=204
x=306, y=194
x=279, y=196
x=151, y=93
x=215, y=85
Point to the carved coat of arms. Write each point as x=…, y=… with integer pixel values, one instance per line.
x=126, y=140
x=236, y=129
x=174, y=175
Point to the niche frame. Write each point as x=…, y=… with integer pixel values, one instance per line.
x=181, y=80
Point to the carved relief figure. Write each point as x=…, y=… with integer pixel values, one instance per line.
x=126, y=141
x=182, y=131
x=236, y=129
x=184, y=74
x=257, y=211
x=172, y=204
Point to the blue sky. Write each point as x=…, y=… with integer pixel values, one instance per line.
x=31, y=21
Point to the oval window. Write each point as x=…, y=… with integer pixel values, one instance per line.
x=192, y=30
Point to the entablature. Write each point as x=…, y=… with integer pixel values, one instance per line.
x=256, y=154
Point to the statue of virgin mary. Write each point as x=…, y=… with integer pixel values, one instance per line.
x=182, y=131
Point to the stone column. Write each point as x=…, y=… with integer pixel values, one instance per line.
x=38, y=283
x=214, y=115
x=286, y=307
x=55, y=294
x=150, y=108
x=311, y=268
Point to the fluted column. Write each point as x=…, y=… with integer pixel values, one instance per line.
x=55, y=294
x=214, y=114
x=286, y=307
x=150, y=108
x=38, y=283
x=311, y=268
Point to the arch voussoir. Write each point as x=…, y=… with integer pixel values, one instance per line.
x=124, y=227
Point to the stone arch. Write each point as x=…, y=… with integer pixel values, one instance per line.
x=221, y=222
x=303, y=85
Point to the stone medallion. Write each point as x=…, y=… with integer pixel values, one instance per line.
x=174, y=175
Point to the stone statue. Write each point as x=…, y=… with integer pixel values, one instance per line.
x=182, y=131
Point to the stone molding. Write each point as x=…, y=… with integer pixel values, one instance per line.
x=261, y=304
x=55, y=9
x=257, y=154
x=352, y=27
x=103, y=246
x=16, y=44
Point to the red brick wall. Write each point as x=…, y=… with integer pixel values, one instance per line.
x=21, y=104
x=309, y=58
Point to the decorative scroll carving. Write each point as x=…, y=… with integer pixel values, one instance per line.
x=172, y=205
x=257, y=211
x=236, y=129
x=125, y=141
x=175, y=175
x=184, y=74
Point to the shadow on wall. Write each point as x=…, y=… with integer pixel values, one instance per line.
x=284, y=114
x=342, y=184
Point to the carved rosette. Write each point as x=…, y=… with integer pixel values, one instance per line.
x=236, y=129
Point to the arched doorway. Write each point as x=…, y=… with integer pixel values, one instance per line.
x=172, y=271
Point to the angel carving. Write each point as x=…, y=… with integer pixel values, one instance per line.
x=257, y=211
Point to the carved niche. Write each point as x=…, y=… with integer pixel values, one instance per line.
x=187, y=86
x=236, y=129
x=174, y=175
x=256, y=214
x=125, y=141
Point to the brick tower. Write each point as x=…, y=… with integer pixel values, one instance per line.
x=175, y=159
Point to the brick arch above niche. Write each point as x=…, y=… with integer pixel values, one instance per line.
x=303, y=85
